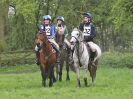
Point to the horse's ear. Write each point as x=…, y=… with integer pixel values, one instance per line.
x=73, y=27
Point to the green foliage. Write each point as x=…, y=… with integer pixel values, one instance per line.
x=112, y=18
x=123, y=20
x=117, y=60
x=3, y=45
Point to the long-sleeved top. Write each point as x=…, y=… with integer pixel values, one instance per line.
x=88, y=29
x=50, y=31
x=62, y=30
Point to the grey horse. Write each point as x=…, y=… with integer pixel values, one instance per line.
x=81, y=56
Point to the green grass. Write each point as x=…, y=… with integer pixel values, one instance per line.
x=110, y=84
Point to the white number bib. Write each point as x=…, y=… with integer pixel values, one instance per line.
x=47, y=29
x=87, y=30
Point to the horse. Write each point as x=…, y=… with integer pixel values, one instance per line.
x=64, y=56
x=47, y=58
x=81, y=56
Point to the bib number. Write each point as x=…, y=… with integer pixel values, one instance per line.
x=47, y=29
x=87, y=30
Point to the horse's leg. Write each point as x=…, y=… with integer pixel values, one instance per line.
x=57, y=65
x=94, y=68
x=90, y=70
x=51, y=70
x=53, y=76
x=60, y=71
x=43, y=79
x=67, y=67
x=57, y=70
x=43, y=74
x=86, y=74
x=77, y=74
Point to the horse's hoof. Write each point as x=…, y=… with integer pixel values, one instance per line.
x=85, y=80
x=79, y=85
x=43, y=85
x=54, y=80
x=67, y=79
x=60, y=79
x=93, y=84
x=51, y=84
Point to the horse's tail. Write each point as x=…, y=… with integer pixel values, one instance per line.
x=98, y=53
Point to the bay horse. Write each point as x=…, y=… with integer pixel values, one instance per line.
x=81, y=56
x=63, y=57
x=47, y=58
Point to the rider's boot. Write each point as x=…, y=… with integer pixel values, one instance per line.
x=37, y=58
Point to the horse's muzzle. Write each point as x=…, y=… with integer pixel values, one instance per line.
x=38, y=44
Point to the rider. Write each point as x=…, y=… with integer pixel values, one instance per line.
x=62, y=29
x=89, y=32
x=50, y=32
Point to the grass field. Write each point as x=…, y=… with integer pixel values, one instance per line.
x=110, y=84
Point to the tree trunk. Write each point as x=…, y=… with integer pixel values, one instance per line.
x=3, y=17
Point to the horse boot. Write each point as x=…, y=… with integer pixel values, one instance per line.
x=92, y=56
x=37, y=58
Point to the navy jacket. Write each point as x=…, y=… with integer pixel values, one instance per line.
x=93, y=32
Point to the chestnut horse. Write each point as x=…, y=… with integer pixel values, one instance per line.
x=47, y=58
x=63, y=57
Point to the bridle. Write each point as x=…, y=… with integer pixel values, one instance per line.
x=77, y=49
x=44, y=44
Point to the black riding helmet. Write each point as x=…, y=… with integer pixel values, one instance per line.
x=87, y=14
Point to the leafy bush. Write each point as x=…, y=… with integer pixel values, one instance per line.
x=16, y=58
x=3, y=45
x=117, y=60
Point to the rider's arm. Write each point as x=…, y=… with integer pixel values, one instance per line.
x=53, y=33
x=66, y=32
x=81, y=27
x=93, y=32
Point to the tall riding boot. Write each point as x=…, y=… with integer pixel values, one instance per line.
x=92, y=56
x=37, y=57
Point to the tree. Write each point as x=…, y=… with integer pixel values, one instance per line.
x=3, y=17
